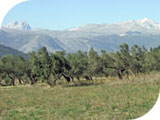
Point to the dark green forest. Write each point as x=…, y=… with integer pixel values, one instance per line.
x=46, y=67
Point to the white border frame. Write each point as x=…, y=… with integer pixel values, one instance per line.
x=6, y=5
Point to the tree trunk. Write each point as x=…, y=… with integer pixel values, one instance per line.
x=119, y=73
x=78, y=78
x=86, y=77
x=106, y=75
x=66, y=77
x=72, y=78
x=90, y=77
x=127, y=75
x=13, y=81
x=20, y=81
x=55, y=81
x=33, y=80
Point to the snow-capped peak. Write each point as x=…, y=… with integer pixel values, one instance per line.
x=146, y=20
x=19, y=25
x=145, y=26
x=148, y=23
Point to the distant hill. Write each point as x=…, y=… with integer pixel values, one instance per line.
x=10, y=51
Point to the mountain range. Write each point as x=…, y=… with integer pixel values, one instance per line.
x=20, y=36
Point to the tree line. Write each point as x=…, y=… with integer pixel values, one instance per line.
x=46, y=67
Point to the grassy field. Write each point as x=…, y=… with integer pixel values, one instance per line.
x=102, y=99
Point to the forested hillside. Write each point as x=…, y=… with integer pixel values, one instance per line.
x=9, y=51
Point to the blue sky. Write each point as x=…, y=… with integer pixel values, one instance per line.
x=63, y=14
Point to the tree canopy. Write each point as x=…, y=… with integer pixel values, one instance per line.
x=43, y=66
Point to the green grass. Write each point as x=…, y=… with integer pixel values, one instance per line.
x=112, y=100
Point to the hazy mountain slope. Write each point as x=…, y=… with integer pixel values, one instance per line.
x=28, y=41
x=38, y=41
x=99, y=36
x=112, y=42
x=9, y=51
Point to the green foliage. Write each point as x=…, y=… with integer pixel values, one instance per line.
x=95, y=67
x=78, y=62
x=47, y=67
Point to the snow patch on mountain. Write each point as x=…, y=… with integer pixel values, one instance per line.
x=19, y=25
x=148, y=23
x=145, y=26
